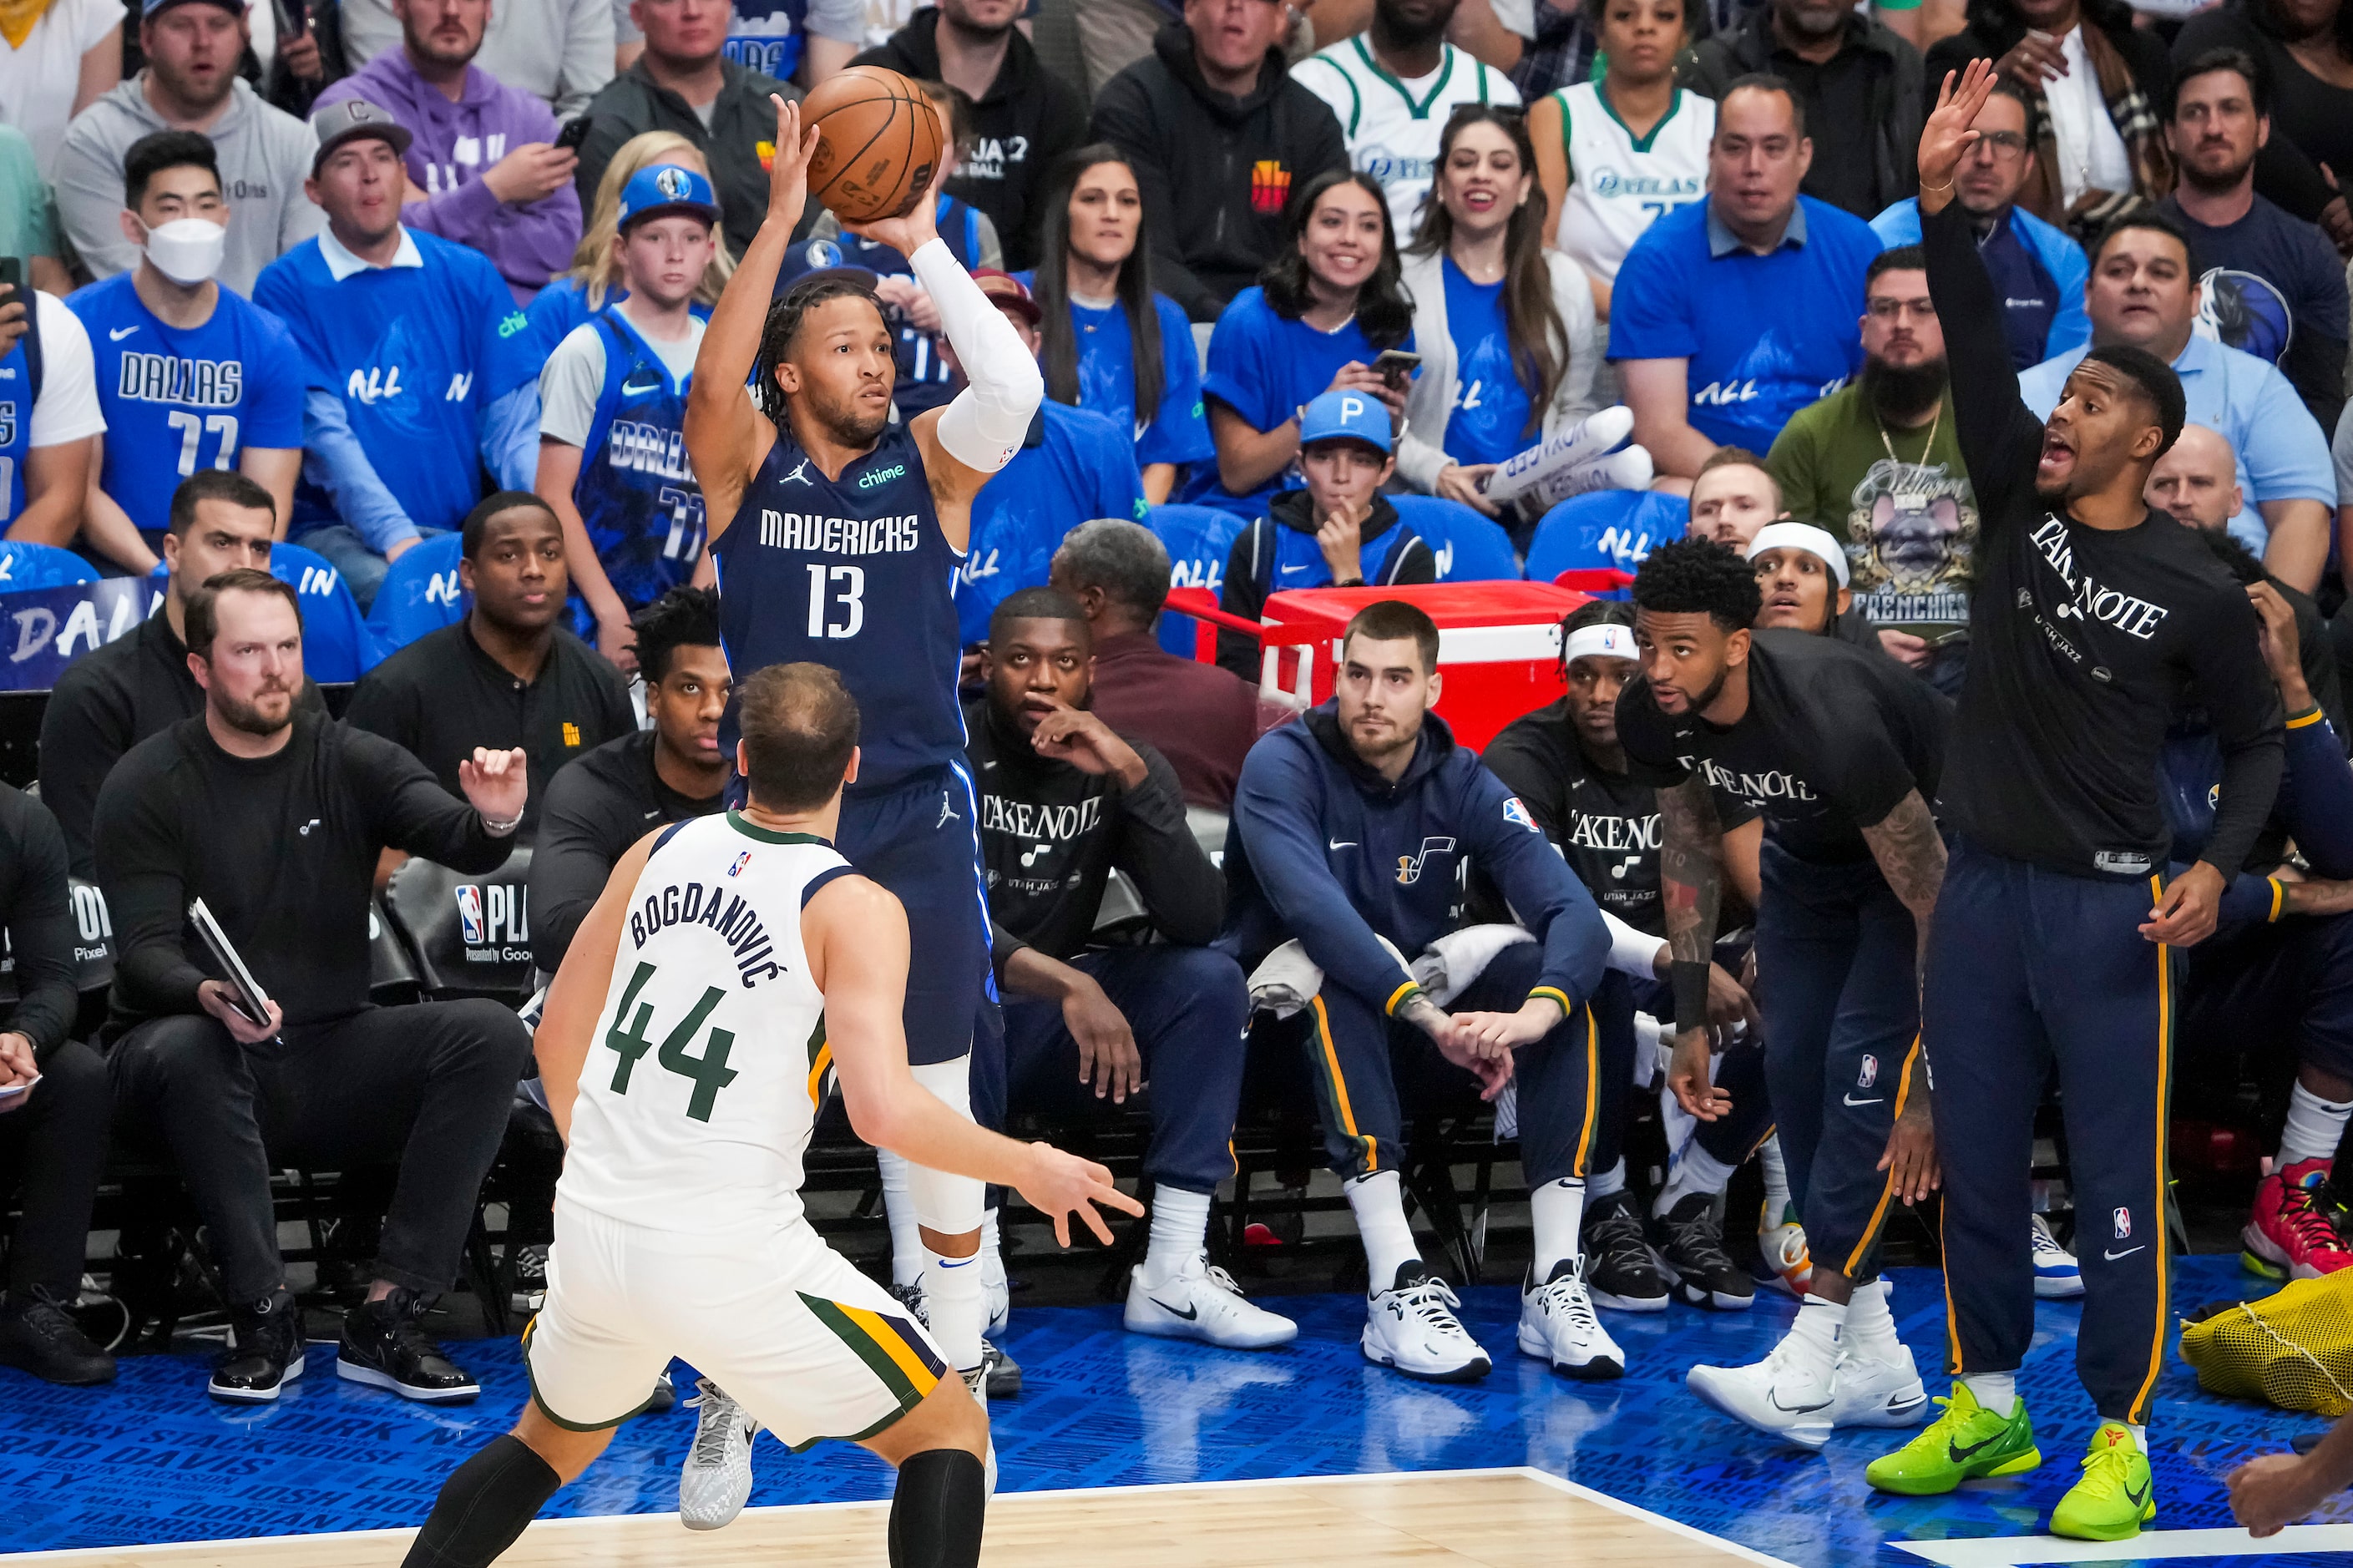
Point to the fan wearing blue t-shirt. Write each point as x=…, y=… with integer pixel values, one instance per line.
x=1328, y=307
x=1073, y=466
x=190, y=375
x=1110, y=343
x=1731, y=314
x=416, y=361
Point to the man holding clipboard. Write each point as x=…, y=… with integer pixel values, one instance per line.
x=265, y=823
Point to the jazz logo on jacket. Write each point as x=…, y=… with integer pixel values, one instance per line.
x=1409, y=869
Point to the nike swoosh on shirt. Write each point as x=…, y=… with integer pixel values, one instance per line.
x=1189, y=1314
x=116, y=334
x=1874, y=1099
x=654, y=813
x=1340, y=843
x=2128, y=1252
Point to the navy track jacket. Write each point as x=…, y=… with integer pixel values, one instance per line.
x=1325, y=850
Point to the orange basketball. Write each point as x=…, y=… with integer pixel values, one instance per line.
x=879, y=140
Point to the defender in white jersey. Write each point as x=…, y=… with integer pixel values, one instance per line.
x=735, y=972
x=1391, y=88
x=1604, y=180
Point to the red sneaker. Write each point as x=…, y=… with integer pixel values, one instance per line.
x=2289, y=1229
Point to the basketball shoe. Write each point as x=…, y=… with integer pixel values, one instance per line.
x=717, y=1475
x=1781, y=1247
x=1790, y=1394
x=1620, y=1268
x=268, y=1352
x=1878, y=1391
x=1199, y=1302
x=1557, y=1326
x=1691, y=1238
x=2291, y=1234
x=1411, y=1326
x=1967, y=1443
x=2115, y=1497
x=2056, y=1272
x=1003, y=1374
x=385, y=1345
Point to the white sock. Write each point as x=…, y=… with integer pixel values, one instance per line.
x=1870, y=1324
x=952, y=1301
x=1180, y=1233
x=993, y=1285
x=1557, y=1209
x=1994, y=1391
x=2314, y=1126
x=1777, y=1201
x=1378, y=1202
x=1697, y=1172
x=2140, y=1436
x=906, y=1235
x=1605, y=1184
x=1817, y=1332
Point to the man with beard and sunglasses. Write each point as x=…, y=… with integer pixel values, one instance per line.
x=2091, y=621
x=274, y=817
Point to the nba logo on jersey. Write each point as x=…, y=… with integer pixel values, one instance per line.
x=2124, y=1224
x=741, y=861
x=470, y=914
x=1515, y=812
x=1870, y=1074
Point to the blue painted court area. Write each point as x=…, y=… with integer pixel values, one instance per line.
x=151, y=1460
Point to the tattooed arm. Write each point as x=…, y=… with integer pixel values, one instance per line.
x=1912, y=857
x=1691, y=874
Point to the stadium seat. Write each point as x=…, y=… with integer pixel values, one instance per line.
x=392, y=973
x=24, y=565
x=469, y=936
x=1199, y=539
x=1470, y=548
x=419, y=595
x=1607, y=528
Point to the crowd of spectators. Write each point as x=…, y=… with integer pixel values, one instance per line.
x=415, y=288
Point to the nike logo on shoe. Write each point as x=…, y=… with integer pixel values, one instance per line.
x=1773, y=1397
x=1963, y=1455
x=1189, y=1314
x=2137, y=1498
x=2128, y=1252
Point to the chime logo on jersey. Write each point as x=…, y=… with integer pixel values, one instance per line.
x=1409, y=866
x=1869, y=1073
x=2124, y=1224
x=1515, y=812
x=741, y=861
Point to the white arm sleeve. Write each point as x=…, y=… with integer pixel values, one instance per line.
x=1631, y=951
x=989, y=418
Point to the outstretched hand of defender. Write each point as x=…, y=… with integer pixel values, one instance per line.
x=1689, y=1081
x=1947, y=138
x=915, y=228
x=496, y=783
x=2187, y=911
x=788, y=165
x=1062, y=1184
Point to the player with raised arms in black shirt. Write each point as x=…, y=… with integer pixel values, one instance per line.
x=1839, y=751
x=2093, y=621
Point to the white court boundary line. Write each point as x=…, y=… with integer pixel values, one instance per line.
x=170, y=1550
x=2009, y=1551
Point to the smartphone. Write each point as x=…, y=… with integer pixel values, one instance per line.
x=573, y=133
x=11, y=272
x=1393, y=365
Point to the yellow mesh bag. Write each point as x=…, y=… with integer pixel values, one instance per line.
x=2293, y=1348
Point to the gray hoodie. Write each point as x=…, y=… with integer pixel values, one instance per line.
x=265, y=155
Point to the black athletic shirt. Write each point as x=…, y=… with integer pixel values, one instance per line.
x=1834, y=738
x=596, y=809
x=37, y=908
x=1604, y=825
x=2084, y=642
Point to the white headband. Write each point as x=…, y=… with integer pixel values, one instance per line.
x=1802, y=536
x=1606, y=640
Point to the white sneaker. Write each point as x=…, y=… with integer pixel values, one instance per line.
x=1203, y=1303
x=1788, y=1394
x=1557, y=1326
x=2056, y=1273
x=717, y=1475
x=1411, y=1326
x=1876, y=1392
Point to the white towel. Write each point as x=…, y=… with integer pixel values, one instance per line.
x=1448, y=965
x=1286, y=980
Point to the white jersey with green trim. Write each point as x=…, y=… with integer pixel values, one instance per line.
x=708, y=1061
x=1392, y=126
x=1620, y=183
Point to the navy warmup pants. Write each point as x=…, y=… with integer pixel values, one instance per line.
x=920, y=841
x=1366, y=1065
x=1189, y=1010
x=2027, y=966
x=1836, y=961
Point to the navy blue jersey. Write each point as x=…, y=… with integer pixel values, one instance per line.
x=853, y=574
x=637, y=494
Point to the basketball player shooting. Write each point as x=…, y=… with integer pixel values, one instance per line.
x=736, y=969
x=835, y=535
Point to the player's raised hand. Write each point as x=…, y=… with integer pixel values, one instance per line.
x=495, y=783
x=1947, y=137
x=1062, y=1184
x=788, y=166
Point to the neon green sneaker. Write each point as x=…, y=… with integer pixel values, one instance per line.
x=2115, y=1498
x=1967, y=1443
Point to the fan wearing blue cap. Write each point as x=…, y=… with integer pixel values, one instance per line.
x=612, y=443
x=1331, y=528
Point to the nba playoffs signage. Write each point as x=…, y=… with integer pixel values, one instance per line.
x=494, y=922
x=43, y=630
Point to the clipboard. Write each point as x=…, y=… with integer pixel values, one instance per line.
x=246, y=992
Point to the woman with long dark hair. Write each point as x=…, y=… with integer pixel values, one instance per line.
x=1505, y=324
x=1322, y=313
x=1111, y=343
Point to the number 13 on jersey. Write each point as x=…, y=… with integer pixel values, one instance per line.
x=837, y=601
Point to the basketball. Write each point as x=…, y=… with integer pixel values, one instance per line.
x=879, y=140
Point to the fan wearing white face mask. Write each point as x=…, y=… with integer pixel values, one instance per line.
x=190, y=374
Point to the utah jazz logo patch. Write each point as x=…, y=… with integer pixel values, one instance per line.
x=1409, y=866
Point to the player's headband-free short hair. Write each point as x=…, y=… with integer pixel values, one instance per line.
x=476, y=526
x=1126, y=559
x=799, y=726
x=1691, y=576
x=215, y=484
x=1040, y=605
x=202, y=617
x=683, y=617
x=2155, y=382
x=160, y=149
x=1393, y=620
